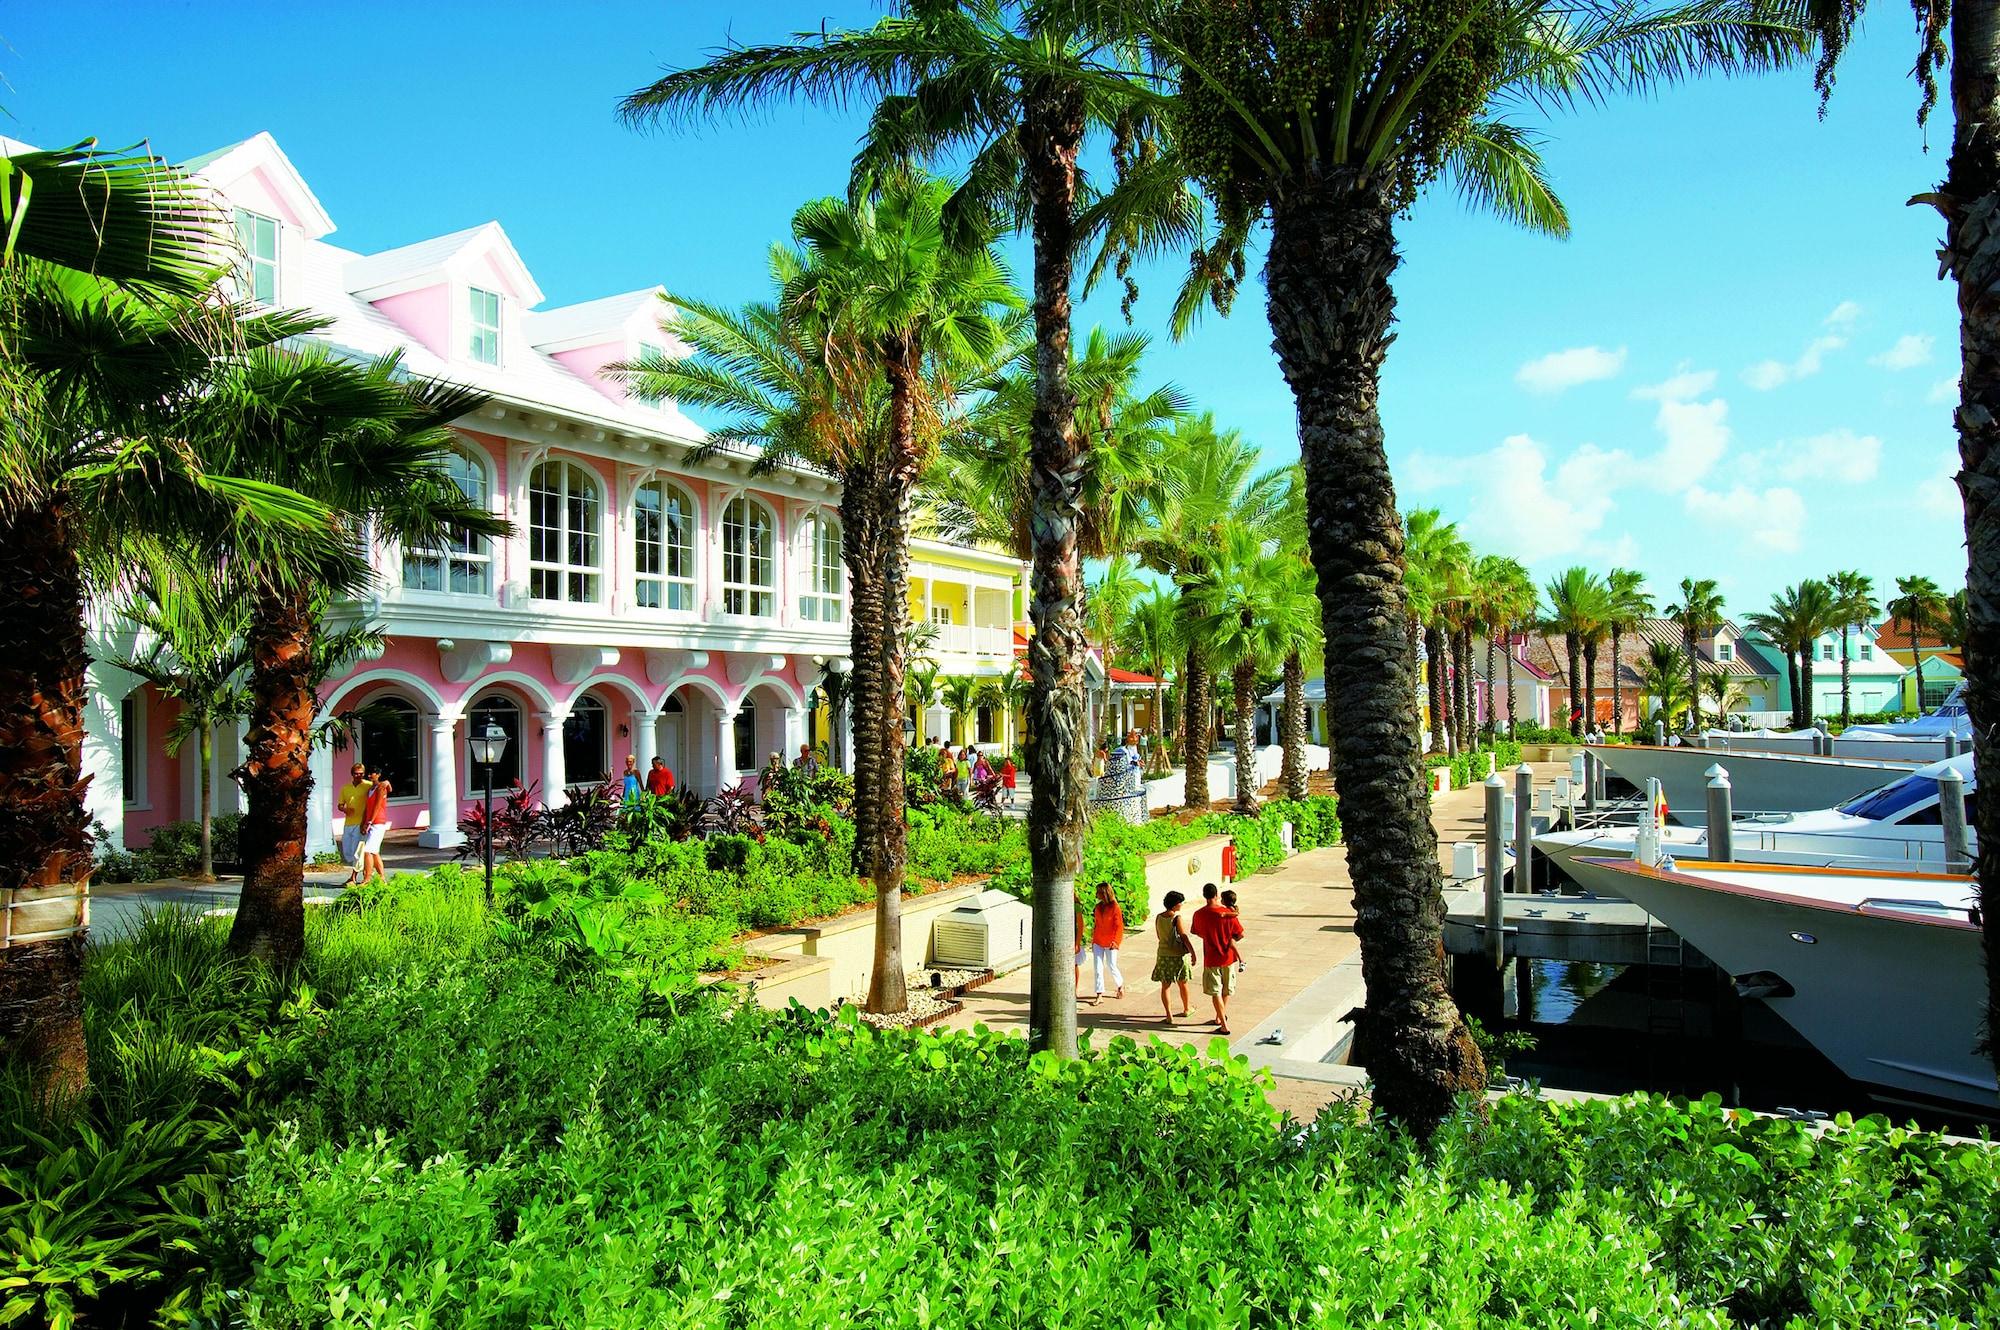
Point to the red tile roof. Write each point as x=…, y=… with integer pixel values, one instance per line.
x=1894, y=636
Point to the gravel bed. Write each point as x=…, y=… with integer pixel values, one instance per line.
x=926, y=1008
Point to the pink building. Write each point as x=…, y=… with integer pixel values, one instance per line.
x=643, y=605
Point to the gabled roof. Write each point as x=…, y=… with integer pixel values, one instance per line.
x=1894, y=635
x=591, y=321
x=260, y=152
x=448, y=255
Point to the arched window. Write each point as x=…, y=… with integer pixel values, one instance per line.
x=462, y=563
x=388, y=744
x=500, y=710
x=585, y=743
x=749, y=577
x=746, y=738
x=563, y=505
x=820, y=601
x=663, y=547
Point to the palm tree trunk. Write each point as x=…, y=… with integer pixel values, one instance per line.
x=1468, y=724
x=888, y=984
x=1617, y=683
x=860, y=506
x=1917, y=656
x=277, y=778
x=1589, y=684
x=1327, y=281
x=1972, y=182
x=1846, y=681
x=1294, y=729
x=1510, y=682
x=1436, y=671
x=1194, y=737
x=1573, y=648
x=205, y=749
x=1246, y=737
x=1492, y=710
x=1159, y=713
x=1806, y=687
x=1792, y=677
x=44, y=845
x=1694, y=679
x=1051, y=135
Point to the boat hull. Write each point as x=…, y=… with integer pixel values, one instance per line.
x=1762, y=782
x=1892, y=1001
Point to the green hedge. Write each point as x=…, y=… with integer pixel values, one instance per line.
x=1470, y=766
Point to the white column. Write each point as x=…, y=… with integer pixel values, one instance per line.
x=645, y=740
x=554, y=779
x=725, y=748
x=795, y=732
x=847, y=738
x=442, y=789
x=319, y=801
x=104, y=797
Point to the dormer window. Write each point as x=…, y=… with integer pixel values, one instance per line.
x=650, y=353
x=484, y=343
x=1721, y=650
x=257, y=237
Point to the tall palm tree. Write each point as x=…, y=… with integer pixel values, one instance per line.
x=1013, y=90
x=960, y=696
x=1512, y=602
x=1305, y=634
x=1435, y=552
x=1966, y=199
x=1110, y=600
x=1151, y=639
x=1241, y=600
x=373, y=444
x=1576, y=610
x=1329, y=119
x=110, y=334
x=1956, y=625
x=1798, y=616
x=192, y=620
x=1626, y=603
x=1921, y=606
x=923, y=688
x=1699, y=613
x=1205, y=479
x=1854, y=605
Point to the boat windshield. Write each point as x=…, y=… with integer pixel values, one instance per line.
x=1885, y=804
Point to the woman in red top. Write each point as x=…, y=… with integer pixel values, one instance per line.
x=375, y=825
x=1107, y=933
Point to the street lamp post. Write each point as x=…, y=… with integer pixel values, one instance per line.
x=487, y=750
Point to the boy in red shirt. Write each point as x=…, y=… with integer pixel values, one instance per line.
x=1219, y=930
x=659, y=780
x=1007, y=778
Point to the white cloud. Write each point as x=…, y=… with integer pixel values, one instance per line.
x=1772, y=519
x=1560, y=371
x=1943, y=391
x=1684, y=384
x=1533, y=505
x=1937, y=494
x=1695, y=436
x=1768, y=374
x=1841, y=456
x=1910, y=351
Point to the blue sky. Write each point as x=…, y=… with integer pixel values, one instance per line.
x=1740, y=366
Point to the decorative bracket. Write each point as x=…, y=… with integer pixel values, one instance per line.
x=462, y=662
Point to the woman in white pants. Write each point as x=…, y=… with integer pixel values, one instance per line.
x=1107, y=934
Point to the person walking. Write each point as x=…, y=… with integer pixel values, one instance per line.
x=808, y=760
x=982, y=770
x=965, y=758
x=660, y=780
x=352, y=801
x=1107, y=934
x=947, y=770
x=1009, y=774
x=630, y=787
x=1176, y=948
x=375, y=824
x=1097, y=764
x=1219, y=930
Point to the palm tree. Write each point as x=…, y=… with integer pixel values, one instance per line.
x=1854, y=605
x=109, y=337
x=1151, y=638
x=193, y=620
x=1240, y=598
x=1921, y=607
x=1576, y=610
x=960, y=696
x=1109, y=600
x=1957, y=622
x=1330, y=119
x=1699, y=613
x=1013, y=91
x=1795, y=621
x=1626, y=603
x=1512, y=603
x=1663, y=676
x=374, y=445
x=1204, y=480
x=1725, y=691
x=1294, y=620
x=1435, y=553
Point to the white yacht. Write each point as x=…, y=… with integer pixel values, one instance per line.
x=1897, y=828
x=1764, y=782
x=1880, y=971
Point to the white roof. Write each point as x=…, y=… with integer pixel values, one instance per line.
x=407, y=263
x=602, y=319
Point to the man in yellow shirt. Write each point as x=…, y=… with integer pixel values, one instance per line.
x=352, y=798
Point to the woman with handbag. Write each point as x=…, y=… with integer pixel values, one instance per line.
x=1172, y=965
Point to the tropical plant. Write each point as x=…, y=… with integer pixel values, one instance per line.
x=1151, y=637
x=375, y=445
x=191, y=620
x=1012, y=90
x=960, y=695
x=1663, y=676
x=1330, y=119
x=111, y=331
x=1723, y=690
x=1006, y=694
x=1578, y=610
x=923, y=688
x=1956, y=625
x=1626, y=603
x=1244, y=602
x=1921, y=607
x=1297, y=608
x=1107, y=603
x=1435, y=557
x=1798, y=616
x=1854, y=606
x=1512, y=602
x=1699, y=613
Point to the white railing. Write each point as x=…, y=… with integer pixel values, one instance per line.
x=971, y=640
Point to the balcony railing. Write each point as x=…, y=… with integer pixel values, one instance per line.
x=973, y=640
